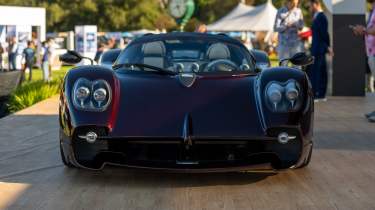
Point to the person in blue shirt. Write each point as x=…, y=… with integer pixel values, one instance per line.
x=28, y=55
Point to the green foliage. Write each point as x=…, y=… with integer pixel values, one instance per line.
x=109, y=15
x=31, y=93
x=123, y=15
x=209, y=11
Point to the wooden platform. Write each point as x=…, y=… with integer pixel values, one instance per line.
x=9, y=81
x=341, y=174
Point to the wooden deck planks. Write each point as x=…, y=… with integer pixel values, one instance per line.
x=341, y=174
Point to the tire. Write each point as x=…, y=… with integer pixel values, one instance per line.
x=66, y=162
x=307, y=160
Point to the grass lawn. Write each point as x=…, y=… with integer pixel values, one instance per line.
x=32, y=92
x=38, y=75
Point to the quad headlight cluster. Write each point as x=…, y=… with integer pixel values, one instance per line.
x=91, y=95
x=283, y=97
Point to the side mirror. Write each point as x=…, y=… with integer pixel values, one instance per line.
x=302, y=59
x=73, y=57
x=299, y=59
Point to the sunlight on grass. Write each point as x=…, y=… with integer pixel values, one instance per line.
x=30, y=93
x=38, y=75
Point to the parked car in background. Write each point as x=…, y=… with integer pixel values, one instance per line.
x=109, y=57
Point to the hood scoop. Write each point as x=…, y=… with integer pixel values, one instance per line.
x=187, y=79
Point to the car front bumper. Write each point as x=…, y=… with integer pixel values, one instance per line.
x=209, y=154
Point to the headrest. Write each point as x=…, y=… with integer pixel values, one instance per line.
x=154, y=49
x=218, y=51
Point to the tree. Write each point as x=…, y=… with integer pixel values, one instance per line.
x=109, y=15
x=123, y=15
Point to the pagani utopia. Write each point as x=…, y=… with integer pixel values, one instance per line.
x=187, y=102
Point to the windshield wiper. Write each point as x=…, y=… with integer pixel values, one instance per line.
x=142, y=66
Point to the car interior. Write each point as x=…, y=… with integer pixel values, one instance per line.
x=193, y=56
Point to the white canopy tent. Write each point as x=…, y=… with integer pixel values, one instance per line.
x=260, y=18
x=238, y=11
x=328, y=4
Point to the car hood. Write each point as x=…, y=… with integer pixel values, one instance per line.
x=154, y=105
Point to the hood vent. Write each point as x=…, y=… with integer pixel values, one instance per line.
x=187, y=130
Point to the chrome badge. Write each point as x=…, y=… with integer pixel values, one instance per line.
x=187, y=79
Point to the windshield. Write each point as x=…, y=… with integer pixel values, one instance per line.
x=185, y=54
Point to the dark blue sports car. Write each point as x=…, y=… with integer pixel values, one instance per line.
x=186, y=102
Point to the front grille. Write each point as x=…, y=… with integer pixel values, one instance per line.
x=174, y=153
x=199, y=155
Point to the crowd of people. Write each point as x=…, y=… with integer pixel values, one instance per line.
x=23, y=58
x=289, y=22
x=108, y=44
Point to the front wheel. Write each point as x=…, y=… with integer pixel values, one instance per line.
x=308, y=159
x=65, y=161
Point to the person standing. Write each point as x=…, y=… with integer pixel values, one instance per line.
x=45, y=58
x=12, y=52
x=28, y=55
x=289, y=20
x=51, y=54
x=19, y=56
x=202, y=28
x=369, y=78
x=99, y=52
x=319, y=48
x=369, y=33
x=1, y=57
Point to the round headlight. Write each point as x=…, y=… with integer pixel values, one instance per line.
x=292, y=94
x=291, y=91
x=91, y=95
x=100, y=95
x=274, y=93
x=82, y=93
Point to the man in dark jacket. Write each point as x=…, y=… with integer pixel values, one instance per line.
x=319, y=48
